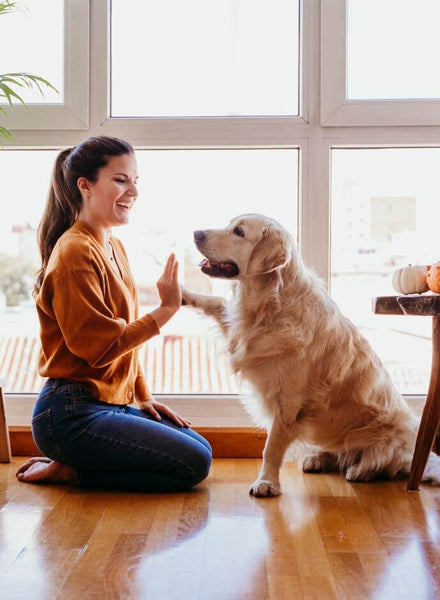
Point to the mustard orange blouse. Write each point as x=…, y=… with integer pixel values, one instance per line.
x=89, y=324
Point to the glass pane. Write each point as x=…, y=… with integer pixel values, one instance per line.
x=179, y=191
x=393, y=48
x=204, y=57
x=385, y=213
x=35, y=33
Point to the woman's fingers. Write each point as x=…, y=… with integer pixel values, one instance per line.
x=169, y=267
x=171, y=414
x=168, y=284
x=176, y=271
x=148, y=407
x=153, y=407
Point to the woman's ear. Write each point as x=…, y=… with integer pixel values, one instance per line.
x=271, y=252
x=84, y=186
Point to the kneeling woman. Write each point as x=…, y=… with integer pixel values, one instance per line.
x=83, y=420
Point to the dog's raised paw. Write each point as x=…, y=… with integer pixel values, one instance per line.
x=188, y=298
x=263, y=488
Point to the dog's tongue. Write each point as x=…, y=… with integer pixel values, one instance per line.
x=218, y=269
x=210, y=264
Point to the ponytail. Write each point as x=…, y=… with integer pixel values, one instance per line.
x=64, y=199
x=60, y=213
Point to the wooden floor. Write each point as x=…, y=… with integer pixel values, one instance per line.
x=323, y=538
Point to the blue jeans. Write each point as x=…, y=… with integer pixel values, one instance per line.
x=116, y=446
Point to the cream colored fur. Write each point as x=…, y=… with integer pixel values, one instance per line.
x=317, y=380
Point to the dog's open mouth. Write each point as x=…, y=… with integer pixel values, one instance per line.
x=218, y=269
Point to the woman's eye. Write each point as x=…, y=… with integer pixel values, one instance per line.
x=239, y=231
x=120, y=180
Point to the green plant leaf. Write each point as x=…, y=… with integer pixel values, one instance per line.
x=7, y=7
x=29, y=80
x=6, y=134
x=5, y=79
x=9, y=93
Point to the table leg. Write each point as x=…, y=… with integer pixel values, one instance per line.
x=436, y=446
x=5, y=446
x=431, y=414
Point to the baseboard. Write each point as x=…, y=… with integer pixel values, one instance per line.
x=239, y=441
x=226, y=442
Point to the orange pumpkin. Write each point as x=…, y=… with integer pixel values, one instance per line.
x=433, y=277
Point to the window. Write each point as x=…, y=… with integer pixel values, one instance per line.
x=59, y=53
x=393, y=196
x=207, y=188
x=252, y=106
x=392, y=49
x=204, y=57
x=379, y=63
x=25, y=26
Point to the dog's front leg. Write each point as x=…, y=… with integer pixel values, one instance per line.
x=212, y=306
x=268, y=481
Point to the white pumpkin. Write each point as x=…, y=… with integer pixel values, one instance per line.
x=410, y=280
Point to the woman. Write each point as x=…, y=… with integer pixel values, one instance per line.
x=90, y=330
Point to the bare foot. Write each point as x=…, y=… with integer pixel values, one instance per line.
x=43, y=469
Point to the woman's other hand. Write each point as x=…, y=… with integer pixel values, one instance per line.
x=155, y=408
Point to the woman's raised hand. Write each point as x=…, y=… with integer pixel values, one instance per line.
x=168, y=285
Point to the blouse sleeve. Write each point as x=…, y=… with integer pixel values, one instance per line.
x=89, y=327
x=141, y=391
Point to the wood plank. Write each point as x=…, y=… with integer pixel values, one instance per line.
x=322, y=538
x=226, y=442
x=410, y=304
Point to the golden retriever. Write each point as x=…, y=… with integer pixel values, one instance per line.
x=316, y=378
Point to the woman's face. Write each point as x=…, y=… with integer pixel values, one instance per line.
x=110, y=198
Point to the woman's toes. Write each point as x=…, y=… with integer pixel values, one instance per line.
x=30, y=462
x=35, y=472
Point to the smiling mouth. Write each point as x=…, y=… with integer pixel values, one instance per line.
x=219, y=269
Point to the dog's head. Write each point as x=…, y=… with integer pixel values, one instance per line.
x=250, y=245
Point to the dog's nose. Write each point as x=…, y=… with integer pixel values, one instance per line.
x=199, y=236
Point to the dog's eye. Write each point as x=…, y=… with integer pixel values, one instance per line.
x=239, y=231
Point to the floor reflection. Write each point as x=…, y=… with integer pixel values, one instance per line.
x=322, y=538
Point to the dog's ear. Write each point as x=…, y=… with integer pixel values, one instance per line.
x=271, y=252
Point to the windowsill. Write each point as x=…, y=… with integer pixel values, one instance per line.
x=221, y=420
x=202, y=411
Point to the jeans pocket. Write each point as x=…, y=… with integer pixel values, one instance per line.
x=42, y=431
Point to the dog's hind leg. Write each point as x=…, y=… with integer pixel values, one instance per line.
x=268, y=481
x=432, y=470
x=324, y=462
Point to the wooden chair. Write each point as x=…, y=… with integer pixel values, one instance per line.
x=5, y=445
x=428, y=437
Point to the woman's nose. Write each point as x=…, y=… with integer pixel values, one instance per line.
x=133, y=191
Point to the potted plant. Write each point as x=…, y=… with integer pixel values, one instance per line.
x=9, y=81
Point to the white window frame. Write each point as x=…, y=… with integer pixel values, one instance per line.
x=336, y=109
x=73, y=113
x=178, y=132
x=314, y=139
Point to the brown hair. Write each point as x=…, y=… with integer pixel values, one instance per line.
x=64, y=199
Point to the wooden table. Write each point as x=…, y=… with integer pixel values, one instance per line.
x=428, y=436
